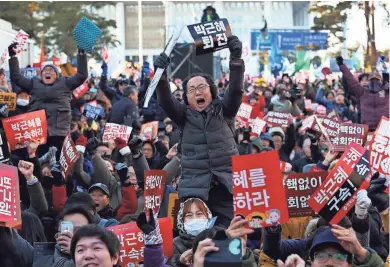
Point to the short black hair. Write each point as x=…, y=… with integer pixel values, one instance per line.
x=107, y=237
x=129, y=90
x=77, y=209
x=362, y=76
x=257, y=217
x=209, y=80
x=81, y=199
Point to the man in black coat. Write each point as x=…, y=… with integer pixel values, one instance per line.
x=125, y=111
x=209, y=14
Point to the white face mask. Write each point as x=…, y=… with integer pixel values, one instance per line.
x=195, y=226
x=22, y=102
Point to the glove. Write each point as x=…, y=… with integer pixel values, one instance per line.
x=92, y=144
x=162, y=61
x=122, y=170
x=3, y=110
x=362, y=204
x=48, y=157
x=135, y=146
x=81, y=143
x=376, y=192
x=58, y=180
x=235, y=47
x=104, y=68
x=11, y=48
x=146, y=69
x=122, y=146
x=80, y=51
x=150, y=229
x=339, y=60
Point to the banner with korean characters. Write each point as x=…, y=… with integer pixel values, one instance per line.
x=154, y=189
x=4, y=149
x=22, y=129
x=349, y=133
x=278, y=119
x=258, y=192
x=132, y=244
x=81, y=90
x=20, y=39
x=299, y=187
x=258, y=126
x=10, y=212
x=93, y=112
x=173, y=208
x=9, y=99
x=333, y=115
x=244, y=114
x=113, y=130
x=379, y=148
x=210, y=36
x=69, y=155
x=338, y=193
x=149, y=130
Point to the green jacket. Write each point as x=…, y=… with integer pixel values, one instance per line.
x=373, y=260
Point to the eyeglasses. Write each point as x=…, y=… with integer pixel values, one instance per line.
x=202, y=87
x=337, y=257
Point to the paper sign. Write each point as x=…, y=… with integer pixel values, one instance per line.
x=211, y=36
x=172, y=208
x=93, y=103
x=299, y=187
x=244, y=114
x=258, y=126
x=337, y=194
x=379, y=148
x=308, y=103
x=81, y=90
x=132, y=244
x=113, y=130
x=10, y=213
x=93, y=112
x=22, y=129
x=105, y=54
x=278, y=119
x=258, y=192
x=349, y=133
x=333, y=115
x=4, y=150
x=21, y=39
x=30, y=72
x=149, y=130
x=69, y=155
x=9, y=99
x=154, y=189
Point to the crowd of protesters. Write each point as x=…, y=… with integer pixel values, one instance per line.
x=198, y=133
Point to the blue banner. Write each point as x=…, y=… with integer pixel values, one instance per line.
x=288, y=40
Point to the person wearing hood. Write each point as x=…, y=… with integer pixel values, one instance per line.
x=209, y=14
x=114, y=94
x=373, y=94
x=283, y=143
x=192, y=218
x=151, y=154
x=51, y=92
x=208, y=134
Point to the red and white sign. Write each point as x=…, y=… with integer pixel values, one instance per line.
x=244, y=113
x=258, y=192
x=349, y=133
x=21, y=39
x=22, y=129
x=278, y=119
x=69, y=155
x=333, y=115
x=149, y=130
x=10, y=213
x=308, y=104
x=154, y=189
x=338, y=193
x=132, y=244
x=299, y=187
x=81, y=90
x=113, y=130
x=258, y=126
x=379, y=148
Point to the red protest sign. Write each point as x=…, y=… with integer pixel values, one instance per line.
x=308, y=104
x=25, y=128
x=258, y=192
x=337, y=194
x=149, y=130
x=379, y=148
x=69, y=155
x=333, y=115
x=132, y=244
x=299, y=187
x=81, y=90
x=258, y=126
x=349, y=133
x=278, y=119
x=154, y=189
x=10, y=213
x=315, y=169
x=244, y=113
x=113, y=130
x=328, y=127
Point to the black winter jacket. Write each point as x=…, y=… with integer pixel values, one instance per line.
x=123, y=108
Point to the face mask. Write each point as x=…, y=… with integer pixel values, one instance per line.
x=22, y=102
x=374, y=86
x=195, y=226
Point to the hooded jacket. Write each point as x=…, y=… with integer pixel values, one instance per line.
x=208, y=137
x=54, y=99
x=214, y=15
x=373, y=105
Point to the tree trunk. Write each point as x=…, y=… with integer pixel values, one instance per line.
x=374, y=56
x=367, y=17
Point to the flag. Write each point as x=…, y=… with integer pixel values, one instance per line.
x=302, y=62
